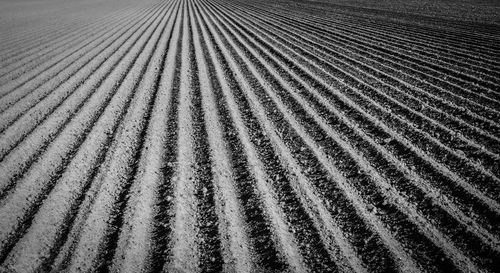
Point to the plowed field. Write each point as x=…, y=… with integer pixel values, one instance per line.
x=249, y=136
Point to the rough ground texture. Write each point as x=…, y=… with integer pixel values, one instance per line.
x=249, y=136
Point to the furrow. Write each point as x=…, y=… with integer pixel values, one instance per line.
x=62, y=103
x=366, y=43
x=378, y=69
x=382, y=263
x=261, y=239
x=64, y=39
x=195, y=235
x=37, y=33
x=300, y=73
x=295, y=85
x=338, y=45
x=452, y=162
x=261, y=168
x=42, y=176
x=249, y=136
x=16, y=162
x=235, y=247
x=377, y=27
x=143, y=235
x=98, y=237
x=37, y=36
x=31, y=60
x=488, y=159
x=56, y=72
x=374, y=174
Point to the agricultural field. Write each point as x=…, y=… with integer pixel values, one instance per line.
x=249, y=136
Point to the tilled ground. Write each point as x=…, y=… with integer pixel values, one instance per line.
x=249, y=136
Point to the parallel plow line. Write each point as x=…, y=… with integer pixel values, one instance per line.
x=236, y=136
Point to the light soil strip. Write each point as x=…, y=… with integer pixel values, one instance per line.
x=118, y=167
x=238, y=255
x=285, y=238
x=74, y=179
x=134, y=253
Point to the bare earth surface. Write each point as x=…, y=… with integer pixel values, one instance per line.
x=249, y=136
